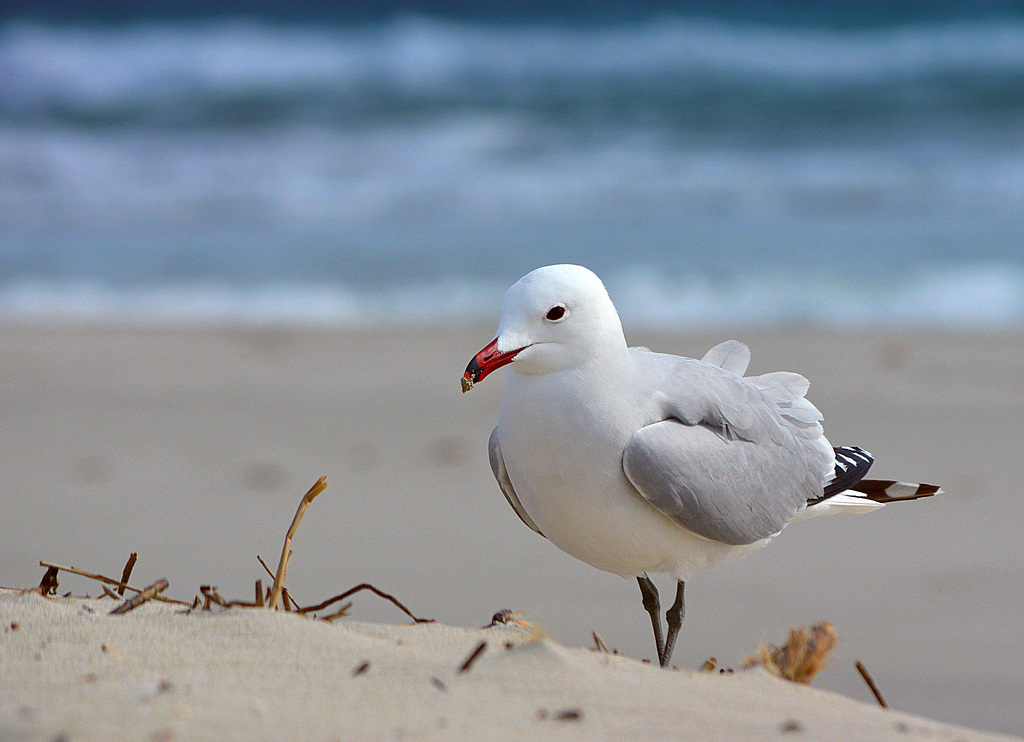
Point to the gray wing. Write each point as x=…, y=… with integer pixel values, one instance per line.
x=728, y=490
x=770, y=407
x=504, y=483
x=728, y=458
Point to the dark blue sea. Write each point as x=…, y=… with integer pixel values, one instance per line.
x=850, y=164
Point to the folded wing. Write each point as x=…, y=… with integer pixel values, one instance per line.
x=504, y=483
x=732, y=459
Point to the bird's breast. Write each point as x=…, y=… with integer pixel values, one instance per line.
x=563, y=453
x=562, y=435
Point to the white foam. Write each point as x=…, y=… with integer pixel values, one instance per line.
x=221, y=304
x=971, y=297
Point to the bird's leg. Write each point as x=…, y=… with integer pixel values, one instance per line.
x=649, y=594
x=674, y=619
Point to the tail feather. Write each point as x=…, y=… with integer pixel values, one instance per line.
x=852, y=463
x=849, y=492
x=888, y=490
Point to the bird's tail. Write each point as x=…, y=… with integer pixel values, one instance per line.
x=849, y=492
x=887, y=490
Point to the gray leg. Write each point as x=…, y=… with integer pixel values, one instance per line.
x=674, y=619
x=649, y=594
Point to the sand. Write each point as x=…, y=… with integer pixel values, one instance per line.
x=73, y=672
x=193, y=446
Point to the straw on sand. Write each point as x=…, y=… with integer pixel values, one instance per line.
x=803, y=655
x=277, y=596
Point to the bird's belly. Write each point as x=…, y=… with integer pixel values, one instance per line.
x=575, y=490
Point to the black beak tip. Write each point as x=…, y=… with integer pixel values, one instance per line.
x=471, y=376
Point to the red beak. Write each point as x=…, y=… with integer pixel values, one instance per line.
x=486, y=361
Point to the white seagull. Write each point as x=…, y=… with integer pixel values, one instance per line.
x=636, y=462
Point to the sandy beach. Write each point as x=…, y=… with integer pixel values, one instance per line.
x=253, y=674
x=193, y=446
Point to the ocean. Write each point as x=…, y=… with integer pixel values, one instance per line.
x=768, y=167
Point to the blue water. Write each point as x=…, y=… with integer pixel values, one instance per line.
x=756, y=167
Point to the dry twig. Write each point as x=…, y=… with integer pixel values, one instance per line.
x=340, y=613
x=276, y=596
x=372, y=589
x=212, y=597
x=473, y=657
x=144, y=596
x=101, y=578
x=871, y=684
x=127, y=573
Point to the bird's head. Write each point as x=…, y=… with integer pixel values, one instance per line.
x=553, y=318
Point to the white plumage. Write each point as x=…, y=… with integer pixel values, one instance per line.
x=637, y=462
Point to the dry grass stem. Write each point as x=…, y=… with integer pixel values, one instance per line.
x=268, y=570
x=473, y=657
x=144, y=596
x=213, y=597
x=871, y=684
x=340, y=613
x=80, y=572
x=284, y=594
x=275, y=597
x=126, y=573
x=286, y=551
x=51, y=567
x=802, y=657
x=365, y=586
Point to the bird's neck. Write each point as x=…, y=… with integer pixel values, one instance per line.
x=595, y=382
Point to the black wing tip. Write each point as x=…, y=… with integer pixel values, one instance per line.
x=852, y=464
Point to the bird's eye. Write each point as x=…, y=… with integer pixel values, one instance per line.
x=556, y=313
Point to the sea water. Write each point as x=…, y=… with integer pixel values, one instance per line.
x=407, y=167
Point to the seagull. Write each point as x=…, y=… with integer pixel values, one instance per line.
x=638, y=462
